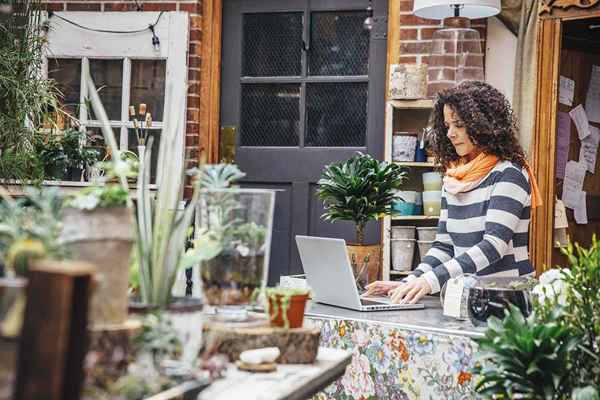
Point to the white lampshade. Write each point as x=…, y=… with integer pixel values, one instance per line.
x=440, y=9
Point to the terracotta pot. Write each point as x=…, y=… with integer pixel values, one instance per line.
x=360, y=252
x=295, y=311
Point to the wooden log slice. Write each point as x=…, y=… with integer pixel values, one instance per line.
x=297, y=346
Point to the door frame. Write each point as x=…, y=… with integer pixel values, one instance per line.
x=549, y=45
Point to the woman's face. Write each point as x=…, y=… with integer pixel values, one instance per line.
x=457, y=133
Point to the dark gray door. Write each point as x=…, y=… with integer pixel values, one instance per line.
x=303, y=84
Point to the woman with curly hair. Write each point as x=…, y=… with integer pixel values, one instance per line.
x=487, y=195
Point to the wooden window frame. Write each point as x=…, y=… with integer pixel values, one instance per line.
x=68, y=41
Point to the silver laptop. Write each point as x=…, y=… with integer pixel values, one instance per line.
x=329, y=274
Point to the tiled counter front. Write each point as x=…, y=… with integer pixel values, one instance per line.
x=398, y=363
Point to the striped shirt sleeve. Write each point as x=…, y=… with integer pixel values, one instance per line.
x=441, y=250
x=509, y=196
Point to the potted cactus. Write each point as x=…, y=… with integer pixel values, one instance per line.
x=360, y=189
x=286, y=306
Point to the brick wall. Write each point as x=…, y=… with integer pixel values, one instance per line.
x=194, y=8
x=415, y=42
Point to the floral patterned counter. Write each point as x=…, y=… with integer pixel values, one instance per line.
x=398, y=363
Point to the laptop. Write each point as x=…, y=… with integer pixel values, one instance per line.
x=329, y=274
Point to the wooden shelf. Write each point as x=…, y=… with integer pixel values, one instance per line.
x=416, y=164
x=414, y=218
x=418, y=103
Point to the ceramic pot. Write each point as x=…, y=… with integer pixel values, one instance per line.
x=359, y=252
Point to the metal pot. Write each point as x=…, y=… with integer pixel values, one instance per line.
x=491, y=296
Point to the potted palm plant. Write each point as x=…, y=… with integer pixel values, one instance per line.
x=360, y=190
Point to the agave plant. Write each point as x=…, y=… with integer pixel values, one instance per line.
x=360, y=189
x=162, y=226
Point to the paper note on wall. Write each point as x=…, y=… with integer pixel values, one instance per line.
x=589, y=149
x=579, y=116
x=566, y=91
x=563, y=139
x=592, y=99
x=560, y=215
x=573, y=184
x=581, y=210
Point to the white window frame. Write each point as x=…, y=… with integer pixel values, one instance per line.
x=68, y=41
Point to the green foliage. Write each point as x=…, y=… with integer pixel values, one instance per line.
x=24, y=95
x=556, y=349
x=93, y=197
x=360, y=189
x=522, y=358
x=22, y=165
x=34, y=217
x=582, y=309
x=218, y=176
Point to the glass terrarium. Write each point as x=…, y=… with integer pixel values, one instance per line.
x=234, y=231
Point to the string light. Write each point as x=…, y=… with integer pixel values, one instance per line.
x=155, y=39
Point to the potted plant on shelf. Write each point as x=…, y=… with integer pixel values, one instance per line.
x=360, y=189
x=286, y=306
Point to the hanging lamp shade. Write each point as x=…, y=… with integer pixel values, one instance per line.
x=440, y=9
x=456, y=49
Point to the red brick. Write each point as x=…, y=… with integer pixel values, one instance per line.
x=194, y=62
x=441, y=74
x=190, y=7
x=192, y=115
x=160, y=6
x=83, y=7
x=409, y=19
x=473, y=74
x=196, y=49
x=196, y=22
x=424, y=60
x=408, y=34
x=192, y=128
x=195, y=35
x=406, y=5
x=120, y=7
x=434, y=88
x=407, y=60
x=193, y=102
x=191, y=140
x=54, y=6
x=474, y=60
x=427, y=33
x=194, y=74
x=193, y=88
x=415, y=47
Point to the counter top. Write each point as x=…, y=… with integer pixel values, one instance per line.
x=428, y=319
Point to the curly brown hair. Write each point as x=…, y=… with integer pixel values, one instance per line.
x=488, y=117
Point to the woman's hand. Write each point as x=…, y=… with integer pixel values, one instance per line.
x=411, y=292
x=380, y=288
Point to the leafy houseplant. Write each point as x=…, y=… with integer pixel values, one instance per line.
x=553, y=354
x=286, y=306
x=360, y=190
x=521, y=358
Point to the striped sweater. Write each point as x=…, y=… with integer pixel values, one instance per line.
x=482, y=231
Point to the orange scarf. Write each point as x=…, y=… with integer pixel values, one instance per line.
x=463, y=176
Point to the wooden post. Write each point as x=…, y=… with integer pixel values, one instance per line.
x=53, y=340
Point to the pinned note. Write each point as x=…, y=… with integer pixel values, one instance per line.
x=563, y=140
x=592, y=100
x=589, y=149
x=581, y=210
x=579, y=116
x=573, y=184
x=566, y=90
x=560, y=215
